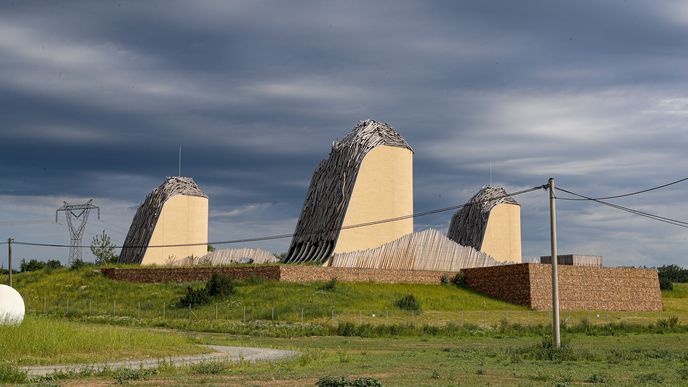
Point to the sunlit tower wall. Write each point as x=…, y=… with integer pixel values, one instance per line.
x=491, y=223
x=367, y=177
x=174, y=213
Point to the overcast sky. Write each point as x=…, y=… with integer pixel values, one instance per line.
x=96, y=97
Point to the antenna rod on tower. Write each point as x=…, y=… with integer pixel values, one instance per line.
x=490, y=173
x=180, y=161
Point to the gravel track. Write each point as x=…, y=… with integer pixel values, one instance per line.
x=222, y=353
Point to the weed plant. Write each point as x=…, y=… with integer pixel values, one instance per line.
x=125, y=375
x=11, y=373
x=209, y=368
x=343, y=381
x=329, y=285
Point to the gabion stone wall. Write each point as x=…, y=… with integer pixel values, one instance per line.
x=285, y=273
x=580, y=287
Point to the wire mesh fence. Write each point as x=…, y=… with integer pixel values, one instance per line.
x=229, y=310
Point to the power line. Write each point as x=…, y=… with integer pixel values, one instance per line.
x=671, y=221
x=283, y=236
x=631, y=193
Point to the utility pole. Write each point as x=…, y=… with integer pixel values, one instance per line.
x=9, y=259
x=556, y=335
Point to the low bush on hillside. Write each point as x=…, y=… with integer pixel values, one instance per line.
x=217, y=286
x=78, y=263
x=35, y=265
x=460, y=280
x=672, y=273
x=408, y=302
x=445, y=279
x=329, y=285
x=666, y=284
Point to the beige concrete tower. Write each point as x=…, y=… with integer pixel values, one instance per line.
x=175, y=213
x=383, y=190
x=367, y=177
x=491, y=223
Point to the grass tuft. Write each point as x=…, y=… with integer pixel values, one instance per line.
x=11, y=373
x=125, y=375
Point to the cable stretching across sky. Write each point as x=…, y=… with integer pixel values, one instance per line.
x=671, y=221
x=630, y=193
x=283, y=236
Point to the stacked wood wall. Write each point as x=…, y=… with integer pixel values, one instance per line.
x=227, y=256
x=425, y=250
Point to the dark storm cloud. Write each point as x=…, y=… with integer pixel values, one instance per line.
x=96, y=97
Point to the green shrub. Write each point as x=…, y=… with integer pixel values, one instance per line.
x=342, y=381
x=78, y=264
x=208, y=368
x=330, y=285
x=665, y=284
x=32, y=265
x=219, y=285
x=445, y=279
x=596, y=378
x=195, y=297
x=408, y=302
x=460, y=280
x=10, y=373
x=546, y=350
x=672, y=273
x=53, y=264
x=673, y=321
x=124, y=375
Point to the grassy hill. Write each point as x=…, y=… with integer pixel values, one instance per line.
x=87, y=293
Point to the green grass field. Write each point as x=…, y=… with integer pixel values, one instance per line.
x=459, y=338
x=45, y=341
x=626, y=360
x=87, y=293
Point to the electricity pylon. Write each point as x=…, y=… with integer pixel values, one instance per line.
x=77, y=216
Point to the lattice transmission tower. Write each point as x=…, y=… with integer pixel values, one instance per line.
x=77, y=216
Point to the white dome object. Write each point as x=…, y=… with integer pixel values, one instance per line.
x=11, y=306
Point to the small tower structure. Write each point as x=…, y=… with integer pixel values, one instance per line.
x=490, y=222
x=367, y=177
x=173, y=215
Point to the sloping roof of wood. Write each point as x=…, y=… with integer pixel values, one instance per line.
x=425, y=250
x=141, y=229
x=331, y=188
x=468, y=224
x=228, y=256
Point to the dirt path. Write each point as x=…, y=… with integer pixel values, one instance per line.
x=221, y=353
